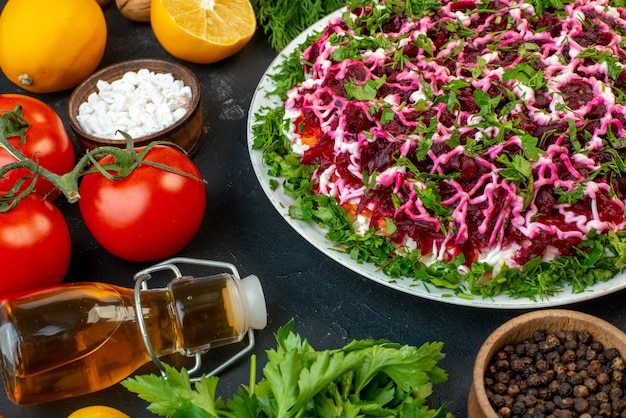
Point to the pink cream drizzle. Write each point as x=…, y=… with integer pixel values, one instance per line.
x=505, y=222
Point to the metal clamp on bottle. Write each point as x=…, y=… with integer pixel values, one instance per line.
x=247, y=293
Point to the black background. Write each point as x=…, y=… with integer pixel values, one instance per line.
x=330, y=304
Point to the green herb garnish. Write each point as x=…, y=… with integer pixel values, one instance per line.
x=363, y=378
x=283, y=20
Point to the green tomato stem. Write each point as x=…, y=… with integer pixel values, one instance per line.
x=12, y=124
x=67, y=183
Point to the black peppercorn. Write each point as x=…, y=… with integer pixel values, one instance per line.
x=581, y=365
x=518, y=408
x=605, y=410
x=594, y=368
x=531, y=349
x=554, y=386
x=513, y=390
x=533, y=380
x=499, y=387
x=502, y=364
x=546, y=377
x=544, y=393
x=565, y=389
x=574, y=378
x=523, y=385
x=584, y=337
x=591, y=383
x=560, y=368
x=602, y=397
x=553, y=357
x=596, y=346
x=530, y=401
x=566, y=403
x=580, y=391
x=581, y=405
x=542, y=365
x=562, y=413
x=497, y=400
x=603, y=378
x=571, y=345
x=516, y=364
x=502, y=377
x=568, y=356
x=590, y=354
x=611, y=353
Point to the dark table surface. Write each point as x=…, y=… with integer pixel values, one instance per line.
x=330, y=304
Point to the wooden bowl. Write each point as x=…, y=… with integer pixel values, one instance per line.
x=522, y=327
x=186, y=132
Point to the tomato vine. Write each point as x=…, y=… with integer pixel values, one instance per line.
x=126, y=160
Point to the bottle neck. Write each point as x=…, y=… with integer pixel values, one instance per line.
x=193, y=315
x=210, y=312
x=160, y=321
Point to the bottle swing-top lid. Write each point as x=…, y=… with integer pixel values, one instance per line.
x=257, y=310
x=253, y=297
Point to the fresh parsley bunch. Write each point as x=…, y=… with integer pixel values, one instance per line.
x=364, y=378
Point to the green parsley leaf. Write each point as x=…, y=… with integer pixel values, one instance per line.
x=519, y=168
x=175, y=397
x=543, y=5
x=478, y=69
x=487, y=104
x=569, y=196
x=365, y=92
x=526, y=74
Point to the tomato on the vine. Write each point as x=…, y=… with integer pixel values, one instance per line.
x=35, y=243
x=47, y=143
x=148, y=215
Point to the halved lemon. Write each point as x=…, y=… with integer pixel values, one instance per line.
x=202, y=31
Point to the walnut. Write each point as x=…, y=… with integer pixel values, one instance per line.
x=135, y=10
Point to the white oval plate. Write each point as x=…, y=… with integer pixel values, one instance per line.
x=315, y=235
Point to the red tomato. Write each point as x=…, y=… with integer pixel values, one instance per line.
x=34, y=246
x=151, y=214
x=47, y=142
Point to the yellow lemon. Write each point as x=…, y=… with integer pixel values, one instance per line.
x=97, y=411
x=202, y=31
x=48, y=46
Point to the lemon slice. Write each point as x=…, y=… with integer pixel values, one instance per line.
x=202, y=31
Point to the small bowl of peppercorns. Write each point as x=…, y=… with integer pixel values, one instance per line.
x=551, y=363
